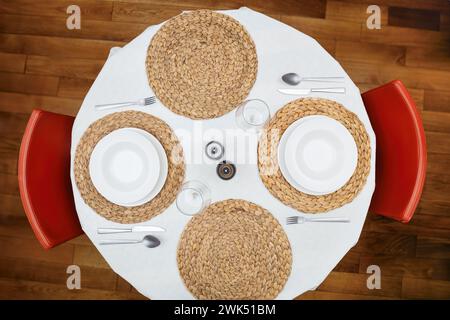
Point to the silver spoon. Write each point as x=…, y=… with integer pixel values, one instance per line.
x=149, y=241
x=294, y=79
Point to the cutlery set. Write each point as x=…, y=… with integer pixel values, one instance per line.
x=294, y=79
x=149, y=241
x=306, y=91
x=141, y=102
x=132, y=229
x=300, y=219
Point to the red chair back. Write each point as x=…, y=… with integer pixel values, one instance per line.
x=401, y=153
x=44, y=178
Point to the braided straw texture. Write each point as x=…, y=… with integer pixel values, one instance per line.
x=106, y=125
x=234, y=250
x=268, y=156
x=201, y=64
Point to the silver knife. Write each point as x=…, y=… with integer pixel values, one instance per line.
x=131, y=229
x=311, y=90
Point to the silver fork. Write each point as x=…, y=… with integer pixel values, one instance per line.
x=300, y=219
x=141, y=102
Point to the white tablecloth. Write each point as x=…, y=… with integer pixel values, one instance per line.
x=317, y=248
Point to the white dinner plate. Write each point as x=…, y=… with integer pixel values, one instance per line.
x=128, y=167
x=317, y=155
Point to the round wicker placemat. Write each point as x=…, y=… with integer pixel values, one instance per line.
x=234, y=250
x=106, y=125
x=268, y=156
x=201, y=64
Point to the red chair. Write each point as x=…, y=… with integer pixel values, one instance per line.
x=401, y=154
x=44, y=178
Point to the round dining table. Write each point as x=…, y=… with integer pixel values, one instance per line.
x=316, y=247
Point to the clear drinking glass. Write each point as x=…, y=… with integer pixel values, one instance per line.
x=193, y=197
x=252, y=114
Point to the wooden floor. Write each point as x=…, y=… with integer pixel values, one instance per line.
x=45, y=65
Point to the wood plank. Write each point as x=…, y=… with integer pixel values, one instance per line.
x=350, y=262
x=21, y=289
x=328, y=44
x=437, y=187
x=90, y=9
x=146, y=13
x=376, y=64
x=324, y=295
x=363, y=72
x=64, y=67
x=438, y=142
x=370, y=53
x=431, y=58
x=355, y=283
x=9, y=151
x=159, y=11
x=57, y=46
x=16, y=228
x=82, y=240
x=9, y=184
x=437, y=269
x=12, y=123
x=437, y=163
x=12, y=62
x=122, y=285
x=74, y=88
x=418, y=4
x=28, y=83
x=89, y=256
x=425, y=289
x=133, y=290
x=8, y=163
x=436, y=121
x=197, y=4
x=390, y=35
x=436, y=248
x=433, y=207
x=20, y=228
x=437, y=100
x=420, y=225
x=25, y=103
x=309, y=8
x=445, y=21
x=11, y=205
x=353, y=12
x=386, y=243
x=53, y=272
x=56, y=26
x=324, y=29
x=23, y=248
x=414, y=18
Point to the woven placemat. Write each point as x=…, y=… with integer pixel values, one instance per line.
x=234, y=250
x=268, y=151
x=106, y=125
x=201, y=64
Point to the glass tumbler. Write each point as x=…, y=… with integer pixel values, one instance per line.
x=193, y=197
x=252, y=114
